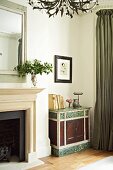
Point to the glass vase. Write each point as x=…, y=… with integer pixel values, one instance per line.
x=34, y=79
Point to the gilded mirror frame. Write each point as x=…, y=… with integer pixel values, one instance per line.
x=18, y=9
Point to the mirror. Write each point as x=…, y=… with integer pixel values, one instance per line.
x=12, y=36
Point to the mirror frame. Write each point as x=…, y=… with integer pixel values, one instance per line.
x=18, y=9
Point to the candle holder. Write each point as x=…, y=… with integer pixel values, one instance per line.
x=77, y=101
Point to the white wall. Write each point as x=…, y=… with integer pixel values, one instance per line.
x=50, y=36
x=87, y=63
x=87, y=59
x=47, y=37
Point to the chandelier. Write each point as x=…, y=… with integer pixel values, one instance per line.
x=67, y=7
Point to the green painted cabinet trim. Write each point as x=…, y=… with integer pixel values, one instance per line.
x=71, y=149
x=70, y=113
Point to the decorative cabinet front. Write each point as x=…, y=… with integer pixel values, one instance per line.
x=69, y=130
x=74, y=131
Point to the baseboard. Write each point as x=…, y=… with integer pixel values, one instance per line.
x=43, y=151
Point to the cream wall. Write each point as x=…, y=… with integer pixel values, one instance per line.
x=87, y=58
x=87, y=62
x=45, y=38
x=52, y=36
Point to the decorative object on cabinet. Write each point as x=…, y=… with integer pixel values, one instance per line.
x=56, y=101
x=33, y=68
x=76, y=102
x=69, y=102
x=67, y=7
x=63, y=69
x=69, y=130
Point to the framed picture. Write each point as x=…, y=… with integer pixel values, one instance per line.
x=63, y=69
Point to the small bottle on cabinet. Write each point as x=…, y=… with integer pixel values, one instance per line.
x=75, y=103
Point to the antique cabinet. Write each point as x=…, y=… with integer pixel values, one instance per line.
x=69, y=130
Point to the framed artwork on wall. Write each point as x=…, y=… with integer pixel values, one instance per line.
x=62, y=69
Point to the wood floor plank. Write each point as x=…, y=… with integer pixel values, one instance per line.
x=72, y=161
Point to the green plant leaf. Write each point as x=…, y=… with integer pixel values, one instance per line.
x=35, y=67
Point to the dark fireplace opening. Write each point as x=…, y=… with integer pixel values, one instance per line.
x=12, y=135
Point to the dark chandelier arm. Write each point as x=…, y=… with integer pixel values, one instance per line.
x=77, y=6
x=69, y=7
x=90, y=8
x=46, y=4
x=58, y=8
x=88, y=2
x=57, y=5
x=61, y=6
x=52, y=5
x=35, y=7
x=73, y=6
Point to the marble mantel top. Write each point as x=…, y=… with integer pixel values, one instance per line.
x=20, y=91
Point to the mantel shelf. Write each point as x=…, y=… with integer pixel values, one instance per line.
x=20, y=91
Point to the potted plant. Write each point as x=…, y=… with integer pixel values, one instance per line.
x=33, y=68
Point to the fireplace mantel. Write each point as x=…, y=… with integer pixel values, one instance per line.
x=12, y=99
x=19, y=91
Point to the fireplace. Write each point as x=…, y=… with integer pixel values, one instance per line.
x=12, y=135
x=13, y=101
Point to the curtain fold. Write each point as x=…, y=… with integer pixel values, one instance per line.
x=103, y=114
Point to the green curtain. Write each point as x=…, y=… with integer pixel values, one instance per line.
x=103, y=113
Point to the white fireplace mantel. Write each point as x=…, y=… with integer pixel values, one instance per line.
x=16, y=91
x=12, y=99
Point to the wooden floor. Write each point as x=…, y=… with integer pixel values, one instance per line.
x=72, y=161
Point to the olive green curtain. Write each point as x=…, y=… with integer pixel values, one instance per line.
x=103, y=114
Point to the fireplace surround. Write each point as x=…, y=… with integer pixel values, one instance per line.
x=13, y=99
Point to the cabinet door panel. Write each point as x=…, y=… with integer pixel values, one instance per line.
x=79, y=130
x=70, y=131
x=53, y=132
x=74, y=131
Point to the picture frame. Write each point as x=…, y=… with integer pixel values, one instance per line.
x=62, y=69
